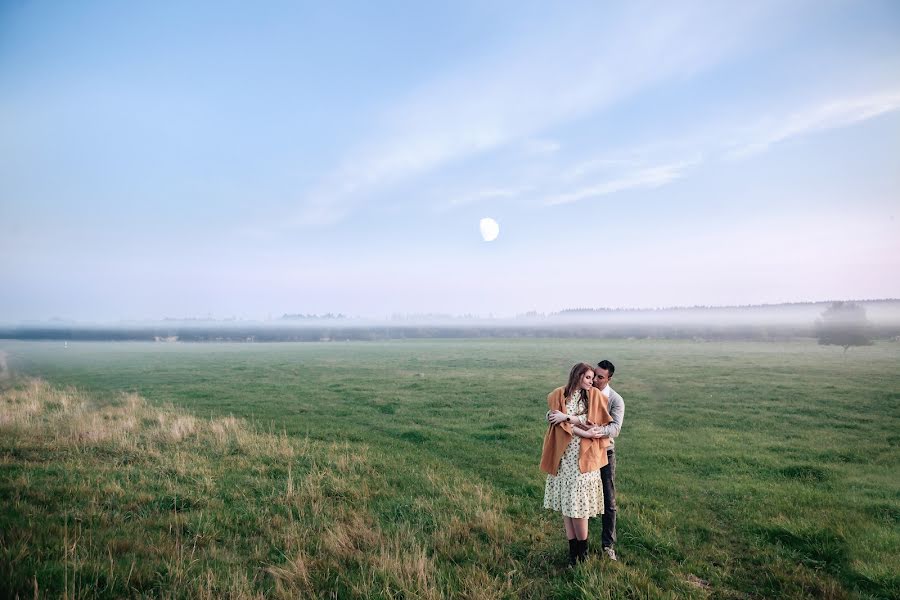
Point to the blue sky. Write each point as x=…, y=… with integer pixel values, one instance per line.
x=234, y=159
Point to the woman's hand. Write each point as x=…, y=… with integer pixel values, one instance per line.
x=556, y=417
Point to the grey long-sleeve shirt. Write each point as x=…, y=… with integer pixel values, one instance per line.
x=617, y=412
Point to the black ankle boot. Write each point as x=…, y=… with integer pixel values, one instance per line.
x=573, y=552
x=581, y=551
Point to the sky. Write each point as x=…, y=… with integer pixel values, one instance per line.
x=244, y=160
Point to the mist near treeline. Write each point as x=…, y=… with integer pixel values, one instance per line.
x=878, y=318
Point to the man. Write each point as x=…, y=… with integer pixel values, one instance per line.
x=603, y=373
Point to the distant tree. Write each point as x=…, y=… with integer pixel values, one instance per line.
x=843, y=324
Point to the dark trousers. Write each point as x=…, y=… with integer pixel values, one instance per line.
x=608, y=477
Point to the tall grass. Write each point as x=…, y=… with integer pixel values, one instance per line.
x=112, y=497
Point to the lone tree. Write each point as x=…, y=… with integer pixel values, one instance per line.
x=843, y=324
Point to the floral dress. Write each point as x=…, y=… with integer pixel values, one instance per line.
x=575, y=494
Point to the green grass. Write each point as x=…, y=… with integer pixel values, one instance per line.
x=409, y=470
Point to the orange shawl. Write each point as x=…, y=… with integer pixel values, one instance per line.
x=593, y=450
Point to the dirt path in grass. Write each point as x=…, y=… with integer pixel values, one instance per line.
x=4, y=370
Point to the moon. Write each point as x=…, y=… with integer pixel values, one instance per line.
x=490, y=229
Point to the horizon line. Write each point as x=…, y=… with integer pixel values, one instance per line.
x=436, y=315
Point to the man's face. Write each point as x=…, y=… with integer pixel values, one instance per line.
x=601, y=378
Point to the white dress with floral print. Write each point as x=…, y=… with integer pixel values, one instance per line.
x=575, y=494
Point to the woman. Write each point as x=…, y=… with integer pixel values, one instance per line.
x=572, y=459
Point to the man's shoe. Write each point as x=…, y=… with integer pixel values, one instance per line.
x=610, y=553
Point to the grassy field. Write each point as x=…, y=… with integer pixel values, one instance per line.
x=409, y=470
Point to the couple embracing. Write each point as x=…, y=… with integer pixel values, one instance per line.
x=579, y=455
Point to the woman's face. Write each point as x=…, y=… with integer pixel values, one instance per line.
x=587, y=380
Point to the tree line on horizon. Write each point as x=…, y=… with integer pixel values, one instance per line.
x=841, y=323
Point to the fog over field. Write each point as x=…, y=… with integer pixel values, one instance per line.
x=878, y=312
x=878, y=319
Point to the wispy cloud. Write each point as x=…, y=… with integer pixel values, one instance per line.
x=831, y=114
x=642, y=178
x=592, y=166
x=631, y=172
x=541, y=146
x=574, y=67
x=488, y=194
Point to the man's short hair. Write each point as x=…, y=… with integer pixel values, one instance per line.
x=607, y=366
